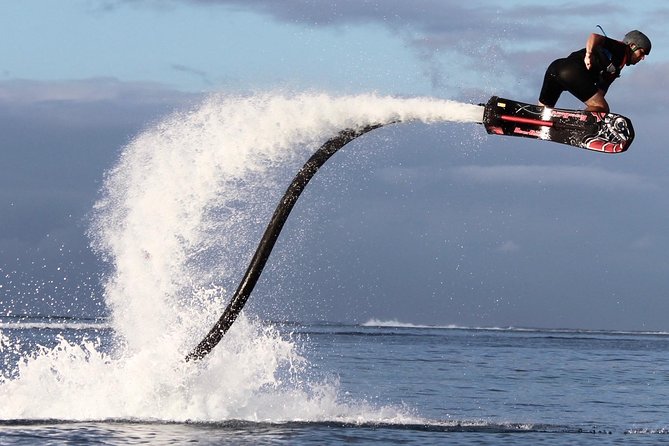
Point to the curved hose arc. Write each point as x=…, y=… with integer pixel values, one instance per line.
x=271, y=235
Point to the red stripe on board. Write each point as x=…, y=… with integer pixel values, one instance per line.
x=526, y=120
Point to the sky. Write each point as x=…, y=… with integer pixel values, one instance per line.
x=486, y=231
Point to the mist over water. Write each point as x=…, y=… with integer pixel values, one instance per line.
x=178, y=218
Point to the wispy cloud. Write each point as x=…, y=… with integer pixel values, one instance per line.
x=432, y=16
x=200, y=74
x=504, y=44
x=519, y=174
x=508, y=246
x=561, y=174
x=644, y=242
x=643, y=83
x=86, y=90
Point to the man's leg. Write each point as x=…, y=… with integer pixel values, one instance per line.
x=551, y=89
x=597, y=103
x=571, y=75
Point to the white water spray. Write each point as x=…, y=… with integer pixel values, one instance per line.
x=182, y=208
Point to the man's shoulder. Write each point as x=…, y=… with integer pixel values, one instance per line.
x=578, y=54
x=614, y=44
x=617, y=50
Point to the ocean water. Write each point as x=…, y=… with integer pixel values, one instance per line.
x=378, y=383
x=178, y=219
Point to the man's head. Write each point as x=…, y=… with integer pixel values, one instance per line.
x=639, y=44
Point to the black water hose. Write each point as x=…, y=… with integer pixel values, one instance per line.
x=270, y=237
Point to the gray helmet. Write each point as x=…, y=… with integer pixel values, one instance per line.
x=639, y=39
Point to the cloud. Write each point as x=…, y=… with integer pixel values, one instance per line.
x=58, y=140
x=58, y=137
x=427, y=16
x=437, y=24
x=87, y=103
x=19, y=91
x=202, y=75
x=505, y=46
x=508, y=246
x=643, y=242
x=563, y=175
x=643, y=86
x=431, y=16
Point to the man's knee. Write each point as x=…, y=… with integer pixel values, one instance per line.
x=597, y=103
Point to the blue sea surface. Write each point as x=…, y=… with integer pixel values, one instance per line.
x=465, y=386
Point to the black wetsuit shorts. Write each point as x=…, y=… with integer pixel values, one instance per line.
x=567, y=74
